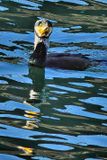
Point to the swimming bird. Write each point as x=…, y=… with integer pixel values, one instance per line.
x=40, y=58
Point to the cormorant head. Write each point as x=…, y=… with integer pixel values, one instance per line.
x=43, y=28
x=42, y=31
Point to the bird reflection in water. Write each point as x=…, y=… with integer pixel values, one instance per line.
x=26, y=151
x=37, y=75
x=17, y=148
x=36, y=95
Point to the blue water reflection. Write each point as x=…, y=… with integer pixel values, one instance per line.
x=102, y=1
x=64, y=37
x=76, y=110
x=79, y=2
x=6, y=157
x=27, y=4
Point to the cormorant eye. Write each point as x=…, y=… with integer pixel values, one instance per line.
x=38, y=23
x=49, y=23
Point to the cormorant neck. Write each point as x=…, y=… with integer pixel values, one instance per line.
x=40, y=50
x=38, y=40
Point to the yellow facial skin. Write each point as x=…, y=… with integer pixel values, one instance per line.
x=43, y=29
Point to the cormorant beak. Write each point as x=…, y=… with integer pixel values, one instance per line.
x=43, y=28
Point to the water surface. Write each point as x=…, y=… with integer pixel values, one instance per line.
x=68, y=117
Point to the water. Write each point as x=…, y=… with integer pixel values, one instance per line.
x=68, y=118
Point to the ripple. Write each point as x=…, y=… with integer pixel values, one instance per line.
x=82, y=84
x=79, y=2
x=56, y=147
x=98, y=38
x=3, y=82
x=7, y=69
x=48, y=117
x=3, y=8
x=42, y=158
x=10, y=131
x=13, y=117
x=11, y=157
x=82, y=140
x=27, y=4
x=66, y=88
x=101, y=1
x=76, y=110
x=9, y=38
x=93, y=159
x=99, y=101
x=12, y=105
x=57, y=73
